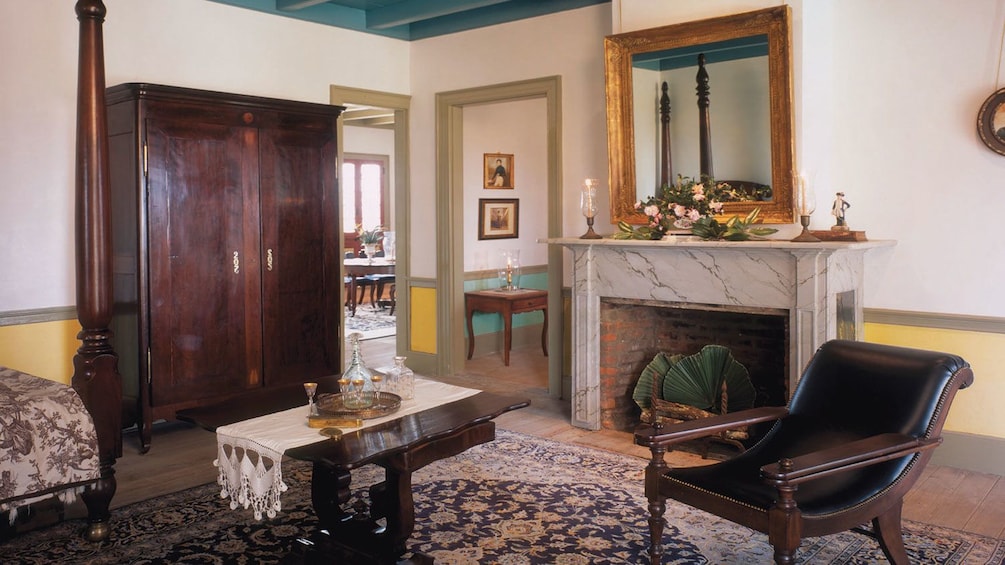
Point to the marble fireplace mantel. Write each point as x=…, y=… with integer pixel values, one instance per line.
x=805, y=279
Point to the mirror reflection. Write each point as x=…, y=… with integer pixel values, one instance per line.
x=729, y=117
x=727, y=92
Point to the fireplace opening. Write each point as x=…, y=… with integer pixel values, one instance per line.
x=632, y=332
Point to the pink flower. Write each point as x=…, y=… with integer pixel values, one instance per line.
x=638, y=204
x=651, y=210
x=716, y=207
x=693, y=215
x=679, y=210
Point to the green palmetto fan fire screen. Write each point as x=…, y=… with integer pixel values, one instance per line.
x=696, y=380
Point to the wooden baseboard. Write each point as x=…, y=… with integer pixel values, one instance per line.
x=984, y=454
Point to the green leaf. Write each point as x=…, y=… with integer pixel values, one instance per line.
x=696, y=380
x=656, y=368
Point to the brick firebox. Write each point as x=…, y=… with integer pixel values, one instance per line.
x=633, y=331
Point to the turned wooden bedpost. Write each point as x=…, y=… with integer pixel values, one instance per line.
x=666, y=161
x=704, y=121
x=95, y=366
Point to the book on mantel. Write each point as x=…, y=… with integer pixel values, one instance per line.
x=839, y=235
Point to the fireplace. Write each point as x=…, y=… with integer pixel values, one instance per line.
x=812, y=290
x=633, y=331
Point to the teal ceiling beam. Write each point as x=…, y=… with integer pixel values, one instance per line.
x=293, y=5
x=410, y=19
x=411, y=11
x=324, y=13
x=497, y=14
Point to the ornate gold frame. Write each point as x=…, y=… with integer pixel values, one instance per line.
x=618, y=50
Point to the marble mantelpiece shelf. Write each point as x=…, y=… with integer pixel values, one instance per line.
x=688, y=241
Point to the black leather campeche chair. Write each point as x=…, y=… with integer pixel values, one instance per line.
x=859, y=429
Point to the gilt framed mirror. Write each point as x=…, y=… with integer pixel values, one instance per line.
x=745, y=123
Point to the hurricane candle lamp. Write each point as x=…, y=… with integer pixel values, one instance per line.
x=588, y=204
x=806, y=203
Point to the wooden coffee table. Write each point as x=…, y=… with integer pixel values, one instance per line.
x=402, y=446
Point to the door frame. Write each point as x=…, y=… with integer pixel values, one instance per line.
x=400, y=103
x=452, y=352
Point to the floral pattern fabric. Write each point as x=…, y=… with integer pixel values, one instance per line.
x=48, y=445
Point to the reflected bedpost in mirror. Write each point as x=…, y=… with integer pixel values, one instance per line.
x=748, y=126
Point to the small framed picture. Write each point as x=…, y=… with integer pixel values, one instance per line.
x=498, y=218
x=498, y=170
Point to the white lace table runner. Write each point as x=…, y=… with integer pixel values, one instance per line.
x=249, y=453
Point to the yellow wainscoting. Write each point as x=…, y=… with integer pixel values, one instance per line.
x=978, y=409
x=422, y=328
x=43, y=349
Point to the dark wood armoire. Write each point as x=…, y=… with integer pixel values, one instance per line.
x=226, y=243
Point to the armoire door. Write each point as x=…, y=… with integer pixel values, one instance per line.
x=205, y=281
x=302, y=291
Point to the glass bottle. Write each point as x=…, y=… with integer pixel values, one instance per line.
x=401, y=379
x=359, y=377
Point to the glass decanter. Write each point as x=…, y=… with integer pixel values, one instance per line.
x=358, y=377
x=401, y=379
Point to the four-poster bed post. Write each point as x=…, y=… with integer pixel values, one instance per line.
x=95, y=366
x=704, y=122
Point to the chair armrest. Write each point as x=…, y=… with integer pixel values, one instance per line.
x=852, y=455
x=658, y=436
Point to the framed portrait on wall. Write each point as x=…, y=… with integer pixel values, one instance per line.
x=498, y=170
x=498, y=218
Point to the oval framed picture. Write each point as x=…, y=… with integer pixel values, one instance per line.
x=991, y=122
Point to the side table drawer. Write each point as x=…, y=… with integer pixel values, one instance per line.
x=536, y=303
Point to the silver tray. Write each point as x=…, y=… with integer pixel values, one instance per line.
x=333, y=404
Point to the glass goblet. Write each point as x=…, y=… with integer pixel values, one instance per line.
x=311, y=389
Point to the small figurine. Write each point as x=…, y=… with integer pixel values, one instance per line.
x=840, y=205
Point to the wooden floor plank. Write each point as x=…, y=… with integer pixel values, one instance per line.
x=989, y=516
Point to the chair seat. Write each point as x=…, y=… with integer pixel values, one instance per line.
x=739, y=479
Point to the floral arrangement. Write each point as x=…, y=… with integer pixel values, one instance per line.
x=677, y=206
x=690, y=205
x=371, y=235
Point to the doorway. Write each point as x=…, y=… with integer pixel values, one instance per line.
x=388, y=112
x=449, y=178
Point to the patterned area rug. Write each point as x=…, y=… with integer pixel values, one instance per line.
x=519, y=500
x=371, y=322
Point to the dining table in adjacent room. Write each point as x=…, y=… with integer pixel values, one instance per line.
x=358, y=267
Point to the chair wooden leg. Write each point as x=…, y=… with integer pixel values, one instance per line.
x=890, y=536
x=656, y=468
x=784, y=526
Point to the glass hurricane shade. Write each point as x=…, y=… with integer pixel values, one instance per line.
x=588, y=198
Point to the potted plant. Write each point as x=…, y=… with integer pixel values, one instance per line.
x=369, y=239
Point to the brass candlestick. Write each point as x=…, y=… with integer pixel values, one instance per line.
x=590, y=234
x=805, y=236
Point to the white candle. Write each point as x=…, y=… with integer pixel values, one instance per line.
x=803, y=207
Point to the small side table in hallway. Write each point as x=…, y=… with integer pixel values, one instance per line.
x=506, y=303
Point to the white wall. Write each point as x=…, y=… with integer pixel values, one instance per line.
x=568, y=44
x=517, y=128
x=191, y=43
